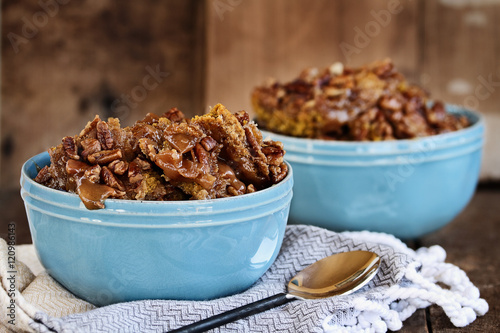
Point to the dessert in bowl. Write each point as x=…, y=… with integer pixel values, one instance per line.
x=370, y=151
x=196, y=211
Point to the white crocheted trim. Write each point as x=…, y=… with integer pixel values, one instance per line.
x=421, y=287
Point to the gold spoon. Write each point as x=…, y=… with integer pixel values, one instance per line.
x=338, y=274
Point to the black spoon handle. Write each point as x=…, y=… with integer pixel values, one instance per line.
x=238, y=313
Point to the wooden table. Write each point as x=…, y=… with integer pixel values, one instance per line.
x=471, y=242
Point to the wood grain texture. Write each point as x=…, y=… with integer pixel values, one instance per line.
x=471, y=243
x=120, y=59
x=460, y=63
x=255, y=40
x=261, y=39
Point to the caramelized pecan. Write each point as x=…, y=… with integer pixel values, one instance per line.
x=109, y=179
x=208, y=143
x=202, y=156
x=105, y=156
x=118, y=167
x=252, y=141
x=242, y=117
x=104, y=135
x=135, y=169
x=70, y=147
x=278, y=172
x=274, y=154
x=174, y=115
x=90, y=146
x=43, y=175
x=250, y=188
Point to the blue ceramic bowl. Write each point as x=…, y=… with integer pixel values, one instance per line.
x=135, y=250
x=406, y=187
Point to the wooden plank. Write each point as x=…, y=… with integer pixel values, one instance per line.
x=374, y=30
x=417, y=323
x=460, y=62
x=119, y=59
x=471, y=243
x=255, y=40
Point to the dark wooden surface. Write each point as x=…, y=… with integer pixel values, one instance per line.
x=471, y=242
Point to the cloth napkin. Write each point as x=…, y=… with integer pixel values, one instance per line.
x=407, y=280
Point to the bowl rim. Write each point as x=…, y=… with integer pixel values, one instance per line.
x=409, y=143
x=125, y=207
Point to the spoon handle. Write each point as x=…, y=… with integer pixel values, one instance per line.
x=237, y=313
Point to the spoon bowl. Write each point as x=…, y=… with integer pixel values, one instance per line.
x=324, y=278
x=338, y=274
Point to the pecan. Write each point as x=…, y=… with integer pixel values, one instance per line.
x=90, y=127
x=298, y=87
x=144, y=165
x=90, y=146
x=250, y=188
x=383, y=68
x=202, y=155
x=70, y=147
x=118, y=167
x=104, y=135
x=43, y=175
x=208, y=143
x=232, y=191
x=109, y=179
x=105, y=156
x=390, y=103
x=134, y=172
x=93, y=173
x=273, y=154
x=242, y=117
x=278, y=172
x=252, y=141
x=174, y=115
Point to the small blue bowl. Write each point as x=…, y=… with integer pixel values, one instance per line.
x=132, y=250
x=404, y=187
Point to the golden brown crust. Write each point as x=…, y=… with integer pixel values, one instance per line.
x=372, y=102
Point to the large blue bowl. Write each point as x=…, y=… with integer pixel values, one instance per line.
x=406, y=187
x=135, y=250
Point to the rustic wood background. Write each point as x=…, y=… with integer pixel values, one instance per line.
x=64, y=61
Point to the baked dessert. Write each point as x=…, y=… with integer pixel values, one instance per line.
x=166, y=157
x=370, y=103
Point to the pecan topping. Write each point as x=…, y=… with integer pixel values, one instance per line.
x=208, y=143
x=118, y=167
x=252, y=141
x=105, y=156
x=202, y=156
x=90, y=146
x=43, y=175
x=165, y=158
x=372, y=102
x=273, y=154
x=70, y=148
x=110, y=179
x=174, y=115
x=135, y=169
x=104, y=135
x=250, y=188
x=242, y=117
x=278, y=172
